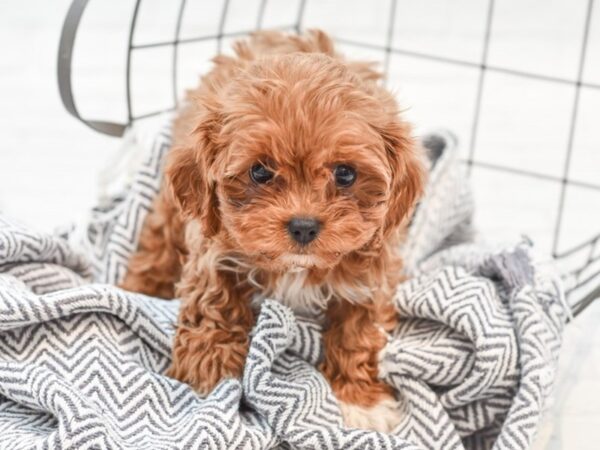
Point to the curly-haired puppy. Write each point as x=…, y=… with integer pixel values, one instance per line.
x=292, y=177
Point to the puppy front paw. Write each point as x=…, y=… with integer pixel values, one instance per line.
x=204, y=356
x=384, y=416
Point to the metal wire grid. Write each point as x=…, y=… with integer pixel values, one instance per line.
x=583, y=279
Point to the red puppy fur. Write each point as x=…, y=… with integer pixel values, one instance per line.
x=286, y=129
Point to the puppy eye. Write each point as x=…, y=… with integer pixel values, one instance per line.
x=260, y=174
x=345, y=175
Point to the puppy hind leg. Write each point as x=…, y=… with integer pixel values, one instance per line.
x=156, y=266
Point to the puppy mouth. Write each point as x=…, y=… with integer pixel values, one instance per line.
x=300, y=260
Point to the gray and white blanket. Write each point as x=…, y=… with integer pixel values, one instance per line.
x=82, y=362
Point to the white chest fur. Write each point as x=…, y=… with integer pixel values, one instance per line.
x=308, y=299
x=292, y=289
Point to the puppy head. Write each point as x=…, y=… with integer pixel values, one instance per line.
x=298, y=163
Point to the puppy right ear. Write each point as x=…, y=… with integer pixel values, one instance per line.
x=189, y=174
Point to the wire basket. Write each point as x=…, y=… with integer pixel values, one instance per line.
x=580, y=262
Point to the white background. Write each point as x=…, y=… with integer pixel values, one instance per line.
x=49, y=162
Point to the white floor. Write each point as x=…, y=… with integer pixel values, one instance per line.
x=49, y=162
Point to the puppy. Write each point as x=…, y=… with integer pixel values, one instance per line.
x=292, y=177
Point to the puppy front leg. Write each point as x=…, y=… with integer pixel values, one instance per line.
x=352, y=342
x=212, y=337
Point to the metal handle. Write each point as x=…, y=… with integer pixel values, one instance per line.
x=65, y=54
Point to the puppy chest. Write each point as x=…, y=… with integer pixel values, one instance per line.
x=294, y=290
x=307, y=299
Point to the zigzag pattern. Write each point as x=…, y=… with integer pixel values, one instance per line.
x=82, y=363
x=113, y=229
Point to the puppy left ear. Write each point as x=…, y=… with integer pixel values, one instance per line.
x=190, y=175
x=408, y=173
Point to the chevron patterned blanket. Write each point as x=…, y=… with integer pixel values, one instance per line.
x=82, y=362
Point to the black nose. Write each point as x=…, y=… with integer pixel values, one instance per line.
x=303, y=229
